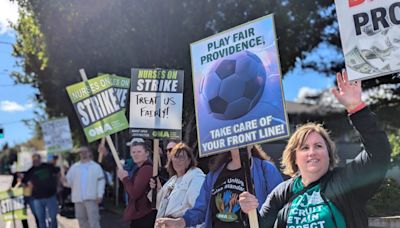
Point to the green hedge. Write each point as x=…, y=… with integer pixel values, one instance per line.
x=386, y=201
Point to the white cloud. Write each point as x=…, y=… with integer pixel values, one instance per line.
x=29, y=105
x=8, y=12
x=327, y=99
x=305, y=92
x=383, y=91
x=11, y=106
x=323, y=97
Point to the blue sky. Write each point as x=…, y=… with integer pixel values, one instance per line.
x=16, y=101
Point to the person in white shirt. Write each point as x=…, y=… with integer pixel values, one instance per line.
x=87, y=183
x=179, y=193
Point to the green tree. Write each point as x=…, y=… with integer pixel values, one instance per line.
x=56, y=38
x=394, y=140
x=104, y=36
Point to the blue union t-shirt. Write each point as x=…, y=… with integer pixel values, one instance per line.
x=309, y=209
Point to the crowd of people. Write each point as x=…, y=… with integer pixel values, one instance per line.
x=317, y=194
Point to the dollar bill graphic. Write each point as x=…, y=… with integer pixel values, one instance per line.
x=355, y=60
x=379, y=54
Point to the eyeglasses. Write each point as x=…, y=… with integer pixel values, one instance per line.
x=180, y=156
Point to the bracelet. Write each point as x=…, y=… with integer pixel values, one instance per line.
x=357, y=108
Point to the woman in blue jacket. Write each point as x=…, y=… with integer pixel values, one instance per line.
x=218, y=205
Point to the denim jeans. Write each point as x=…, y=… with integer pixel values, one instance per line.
x=29, y=201
x=46, y=204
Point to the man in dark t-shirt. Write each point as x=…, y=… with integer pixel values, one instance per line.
x=225, y=199
x=43, y=179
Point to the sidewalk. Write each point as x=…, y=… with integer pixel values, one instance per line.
x=108, y=219
x=387, y=222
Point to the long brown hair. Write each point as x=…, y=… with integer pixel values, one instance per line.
x=176, y=150
x=218, y=160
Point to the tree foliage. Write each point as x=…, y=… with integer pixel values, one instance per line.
x=56, y=38
x=394, y=140
x=30, y=47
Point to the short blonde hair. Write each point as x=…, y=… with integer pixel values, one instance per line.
x=298, y=138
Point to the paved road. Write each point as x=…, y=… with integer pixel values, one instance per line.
x=108, y=219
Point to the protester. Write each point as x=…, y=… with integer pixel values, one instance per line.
x=319, y=193
x=217, y=204
x=54, y=160
x=107, y=162
x=179, y=193
x=138, y=210
x=87, y=183
x=163, y=173
x=169, y=147
x=43, y=178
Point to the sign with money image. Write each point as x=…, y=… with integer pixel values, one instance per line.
x=370, y=35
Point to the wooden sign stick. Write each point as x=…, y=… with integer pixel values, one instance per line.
x=156, y=159
x=62, y=170
x=114, y=152
x=102, y=143
x=244, y=160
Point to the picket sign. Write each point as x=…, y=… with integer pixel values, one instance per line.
x=108, y=138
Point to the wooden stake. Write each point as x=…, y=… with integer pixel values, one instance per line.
x=83, y=74
x=62, y=170
x=156, y=159
x=103, y=142
x=244, y=160
x=114, y=152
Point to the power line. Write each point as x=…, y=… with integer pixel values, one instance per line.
x=14, y=122
x=7, y=85
x=5, y=42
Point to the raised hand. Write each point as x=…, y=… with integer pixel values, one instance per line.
x=348, y=93
x=102, y=149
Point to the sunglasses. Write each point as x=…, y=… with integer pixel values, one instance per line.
x=180, y=156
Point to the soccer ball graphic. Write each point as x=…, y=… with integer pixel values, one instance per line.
x=233, y=86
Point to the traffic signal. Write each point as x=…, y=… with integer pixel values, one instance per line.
x=1, y=133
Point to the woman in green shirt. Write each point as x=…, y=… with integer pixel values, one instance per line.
x=319, y=194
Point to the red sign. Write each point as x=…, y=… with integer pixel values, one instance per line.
x=355, y=2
